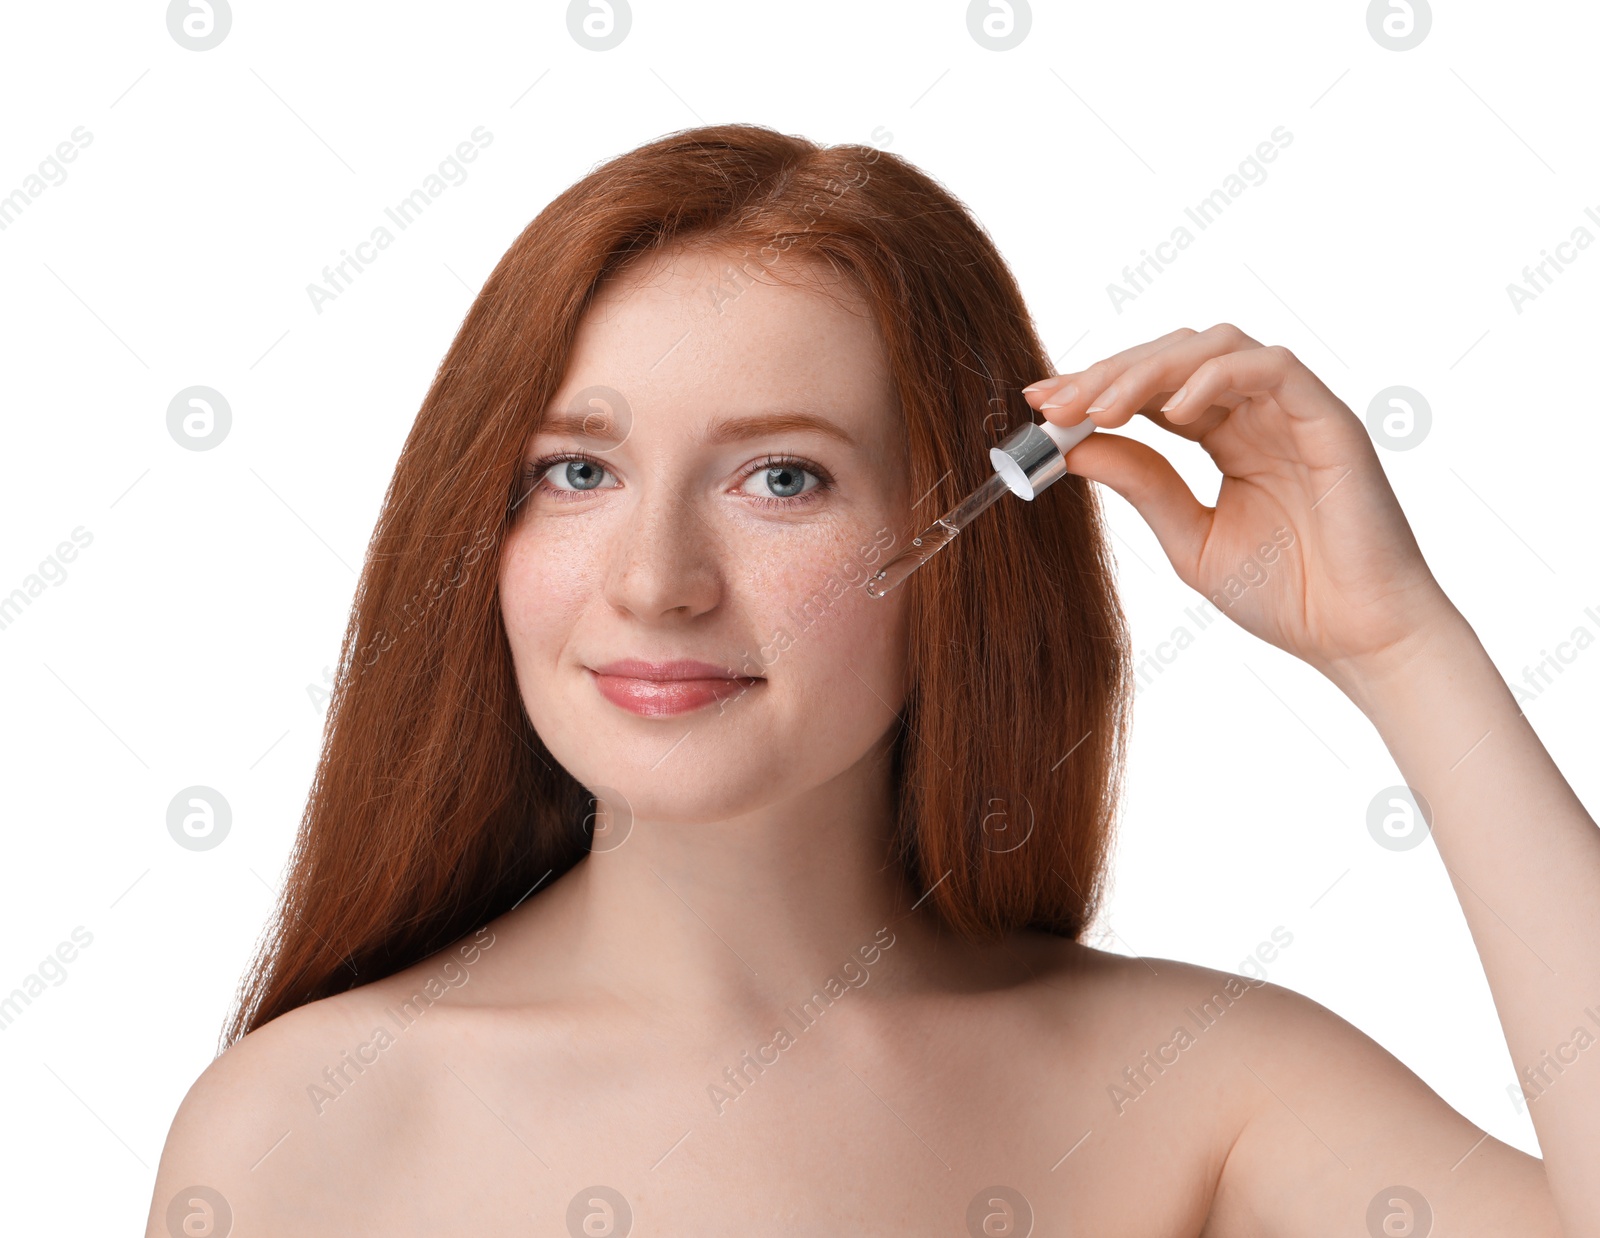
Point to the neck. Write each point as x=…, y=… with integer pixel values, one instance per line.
x=750, y=912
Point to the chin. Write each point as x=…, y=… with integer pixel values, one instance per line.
x=688, y=796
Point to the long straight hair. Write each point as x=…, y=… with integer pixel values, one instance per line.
x=435, y=806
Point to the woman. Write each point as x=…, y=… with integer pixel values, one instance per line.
x=656, y=878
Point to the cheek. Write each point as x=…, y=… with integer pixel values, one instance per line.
x=827, y=642
x=543, y=581
x=855, y=662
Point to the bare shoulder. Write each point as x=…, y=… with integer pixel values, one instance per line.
x=1160, y=1026
x=267, y=1135
x=1340, y=1132
x=241, y=1122
x=1130, y=997
x=1326, y=1129
x=1316, y=1126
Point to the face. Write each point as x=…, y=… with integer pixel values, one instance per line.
x=700, y=519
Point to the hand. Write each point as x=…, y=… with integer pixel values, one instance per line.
x=1306, y=547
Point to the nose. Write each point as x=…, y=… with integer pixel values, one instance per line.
x=665, y=559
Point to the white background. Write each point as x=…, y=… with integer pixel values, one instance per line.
x=186, y=642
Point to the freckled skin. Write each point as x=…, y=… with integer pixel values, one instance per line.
x=667, y=554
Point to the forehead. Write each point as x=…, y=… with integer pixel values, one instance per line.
x=690, y=335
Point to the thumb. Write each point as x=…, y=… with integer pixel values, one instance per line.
x=1146, y=478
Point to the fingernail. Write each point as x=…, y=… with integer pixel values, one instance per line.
x=1104, y=402
x=1038, y=386
x=1061, y=398
x=1177, y=398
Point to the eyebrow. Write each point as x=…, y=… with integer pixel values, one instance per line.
x=596, y=423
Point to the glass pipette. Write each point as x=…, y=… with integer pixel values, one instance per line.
x=1025, y=463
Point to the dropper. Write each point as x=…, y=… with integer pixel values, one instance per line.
x=1027, y=462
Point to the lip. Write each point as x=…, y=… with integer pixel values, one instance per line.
x=682, y=668
x=655, y=689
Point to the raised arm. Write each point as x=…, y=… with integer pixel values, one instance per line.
x=1349, y=593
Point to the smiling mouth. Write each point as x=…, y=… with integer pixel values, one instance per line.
x=659, y=696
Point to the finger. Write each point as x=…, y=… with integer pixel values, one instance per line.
x=1204, y=420
x=1146, y=478
x=1273, y=371
x=1160, y=374
x=1100, y=372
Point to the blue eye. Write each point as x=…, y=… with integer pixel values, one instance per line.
x=784, y=480
x=582, y=475
x=783, y=476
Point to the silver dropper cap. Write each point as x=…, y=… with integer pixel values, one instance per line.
x=1032, y=457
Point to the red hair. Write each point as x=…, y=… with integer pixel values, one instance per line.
x=435, y=807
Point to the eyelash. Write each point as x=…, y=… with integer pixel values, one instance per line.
x=533, y=476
